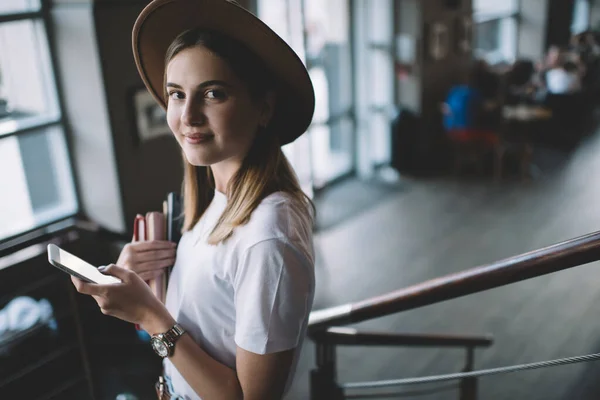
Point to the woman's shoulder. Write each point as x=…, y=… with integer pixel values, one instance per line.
x=278, y=216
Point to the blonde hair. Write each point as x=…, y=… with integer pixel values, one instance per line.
x=264, y=170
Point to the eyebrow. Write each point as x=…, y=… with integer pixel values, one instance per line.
x=202, y=85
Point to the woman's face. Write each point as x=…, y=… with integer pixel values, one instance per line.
x=210, y=111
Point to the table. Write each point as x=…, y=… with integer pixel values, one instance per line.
x=526, y=113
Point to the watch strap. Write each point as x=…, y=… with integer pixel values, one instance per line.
x=174, y=333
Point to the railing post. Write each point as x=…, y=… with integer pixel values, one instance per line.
x=468, y=386
x=323, y=379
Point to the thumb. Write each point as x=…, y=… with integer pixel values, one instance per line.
x=113, y=270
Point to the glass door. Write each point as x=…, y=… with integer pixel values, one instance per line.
x=329, y=62
x=285, y=18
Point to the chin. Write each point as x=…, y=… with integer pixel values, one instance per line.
x=200, y=160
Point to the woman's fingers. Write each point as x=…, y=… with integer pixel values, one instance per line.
x=85, y=287
x=165, y=254
x=148, y=256
x=152, y=245
x=155, y=264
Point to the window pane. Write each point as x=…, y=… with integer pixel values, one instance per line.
x=379, y=127
x=490, y=7
x=328, y=50
x=26, y=85
x=17, y=6
x=381, y=92
x=285, y=18
x=332, y=150
x=380, y=20
x=274, y=13
x=581, y=16
x=487, y=36
x=321, y=87
x=36, y=181
x=496, y=40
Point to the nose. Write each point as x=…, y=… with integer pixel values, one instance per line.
x=193, y=114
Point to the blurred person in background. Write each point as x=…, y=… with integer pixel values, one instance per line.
x=471, y=109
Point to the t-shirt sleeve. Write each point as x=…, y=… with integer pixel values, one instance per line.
x=273, y=288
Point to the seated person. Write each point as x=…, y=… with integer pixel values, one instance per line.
x=585, y=45
x=520, y=84
x=553, y=59
x=468, y=113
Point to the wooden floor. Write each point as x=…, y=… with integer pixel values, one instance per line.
x=434, y=228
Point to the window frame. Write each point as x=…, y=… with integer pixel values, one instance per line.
x=39, y=232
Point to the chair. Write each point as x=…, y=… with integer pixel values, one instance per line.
x=473, y=146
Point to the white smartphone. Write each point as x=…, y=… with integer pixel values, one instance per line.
x=75, y=266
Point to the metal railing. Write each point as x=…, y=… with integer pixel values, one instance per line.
x=324, y=324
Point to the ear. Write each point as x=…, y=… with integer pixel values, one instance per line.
x=267, y=109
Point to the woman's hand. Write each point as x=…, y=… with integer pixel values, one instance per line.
x=148, y=259
x=131, y=300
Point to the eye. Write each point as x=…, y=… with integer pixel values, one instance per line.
x=216, y=94
x=176, y=95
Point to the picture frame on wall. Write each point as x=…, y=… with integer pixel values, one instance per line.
x=438, y=41
x=150, y=118
x=464, y=34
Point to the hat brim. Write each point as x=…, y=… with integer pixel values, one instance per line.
x=163, y=20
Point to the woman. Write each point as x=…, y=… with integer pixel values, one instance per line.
x=242, y=286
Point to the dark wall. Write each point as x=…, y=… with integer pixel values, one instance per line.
x=439, y=75
x=560, y=16
x=147, y=170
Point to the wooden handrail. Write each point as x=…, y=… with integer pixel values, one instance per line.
x=564, y=255
x=343, y=336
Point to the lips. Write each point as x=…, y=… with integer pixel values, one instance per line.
x=195, y=138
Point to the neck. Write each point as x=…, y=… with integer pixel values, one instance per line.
x=223, y=172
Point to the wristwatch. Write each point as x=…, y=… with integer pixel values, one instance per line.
x=164, y=343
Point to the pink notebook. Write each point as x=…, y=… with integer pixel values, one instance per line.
x=152, y=227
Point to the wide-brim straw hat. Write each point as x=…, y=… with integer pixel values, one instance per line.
x=163, y=20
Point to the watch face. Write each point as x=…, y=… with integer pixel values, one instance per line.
x=160, y=347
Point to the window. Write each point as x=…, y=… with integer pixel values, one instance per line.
x=581, y=16
x=35, y=173
x=495, y=30
x=285, y=18
x=17, y=6
x=328, y=55
x=319, y=31
x=378, y=41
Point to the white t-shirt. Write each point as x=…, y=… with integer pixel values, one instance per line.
x=254, y=291
x=559, y=81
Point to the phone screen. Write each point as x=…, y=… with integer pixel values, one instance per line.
x=75, y=266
